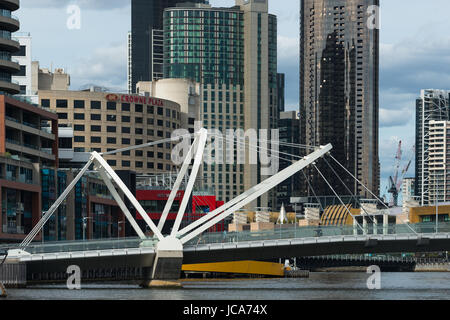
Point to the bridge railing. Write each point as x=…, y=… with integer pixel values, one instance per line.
x=293, y=232
x=74, y=246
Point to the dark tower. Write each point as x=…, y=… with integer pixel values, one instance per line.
x=339, y=52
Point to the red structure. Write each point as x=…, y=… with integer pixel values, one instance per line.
x=154, y=201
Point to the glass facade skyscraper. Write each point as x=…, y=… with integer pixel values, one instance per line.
x=339, y=52
x=232, y=52
x=146, y=50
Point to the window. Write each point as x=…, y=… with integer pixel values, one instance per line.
x=96, y=117
x=139, y=164
x=61, y=103
x=138, y=120
x=22, y=72
x=138, y=108
x=78, y=127
x=139, y=131
x=150, y=109
x=96, y=139
x=111, y=140
x=150, y=154
x=150, y=165
x=111, y=117
x=78, y=138
x=126, y=163
x=96, y=128
x=22, y=52
x=111, y=129
x=78, y=104
x=62, y=115
x=126, y=130
x=125, y=141
x=78, y=116
x=125, y=119
x=139, y=153
x=125, y=107
x=111, y=105
x=112, y=162
x=160, y=111
x=160, y=166
x=45, y=103
x=96, y=105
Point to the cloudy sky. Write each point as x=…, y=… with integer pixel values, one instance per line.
x=415, y=53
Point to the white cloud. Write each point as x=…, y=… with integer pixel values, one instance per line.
x=105, y=66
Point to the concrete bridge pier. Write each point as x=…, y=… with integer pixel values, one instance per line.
x=166, y=269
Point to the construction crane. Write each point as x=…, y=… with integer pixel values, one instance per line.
x=395, y=183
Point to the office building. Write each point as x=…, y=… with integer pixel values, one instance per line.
x=339, y=71
x=185, y=92
x=31, y=77
x=23, y=58
x=289, y=126
x=232, y=52
x=104, y=122
x=432, y=105
x=438, y=162
x=8, y=46
x=408, y=189
x=145, y=43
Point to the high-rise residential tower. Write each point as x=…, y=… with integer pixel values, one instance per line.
x=232, y=52
x=146, y=38
x=433, y=105
x=339, y=62
x=8, y=46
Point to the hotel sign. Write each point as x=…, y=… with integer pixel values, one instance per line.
x=134, y=99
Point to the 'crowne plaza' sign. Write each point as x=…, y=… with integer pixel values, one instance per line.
x=134, y=99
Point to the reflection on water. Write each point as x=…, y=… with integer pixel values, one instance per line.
x=394, y=286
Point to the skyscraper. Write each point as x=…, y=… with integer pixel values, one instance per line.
x=339, y=62
x=8, y=46
x=146, y=38
x=433, y=105
x=233, y=53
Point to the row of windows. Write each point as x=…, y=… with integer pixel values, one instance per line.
x=97, y=105
x=140, y=164
x=113, y=140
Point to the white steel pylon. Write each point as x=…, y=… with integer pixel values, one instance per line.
x=178, y=237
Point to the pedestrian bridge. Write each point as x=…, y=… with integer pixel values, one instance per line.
x=225, y=247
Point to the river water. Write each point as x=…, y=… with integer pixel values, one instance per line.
x=336, y=286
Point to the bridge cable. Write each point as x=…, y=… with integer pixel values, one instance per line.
x=409, y=226
x=351, y=193
x=329, y=185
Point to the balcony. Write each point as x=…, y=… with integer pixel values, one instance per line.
x=9, y=87
x=9, y=23
x=12, y=5
x=10, y=66
x=9, y=45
